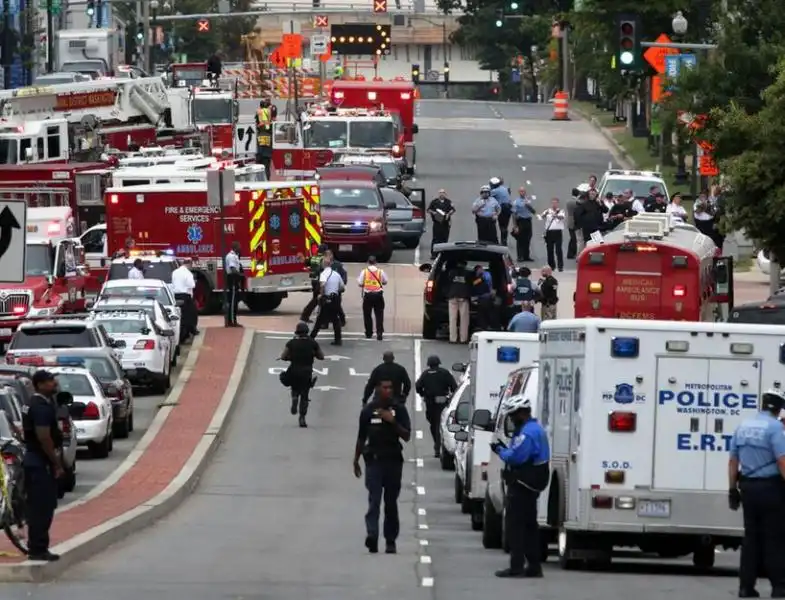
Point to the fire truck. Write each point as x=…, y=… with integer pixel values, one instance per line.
x=653, y=268
x=278, y=225
x=57, y=279
x=397, y=97
x=323, y=134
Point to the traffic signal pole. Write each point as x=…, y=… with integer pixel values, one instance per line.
x=679, y=46
x=50, y=36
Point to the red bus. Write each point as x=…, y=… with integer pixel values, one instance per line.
x=651, y=268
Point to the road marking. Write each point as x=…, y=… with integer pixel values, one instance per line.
x=423, y=542
x=354, y=373
x=528, y=182
x=418, y=434
x=523, y=169
x=422, y=526
x=417, y=255
x=417, y=369
x=514, y=145
x=520, y=156
x=421, y=512
x=420, y=463
x=427, y=581
x=426, y=560
x=420, y=490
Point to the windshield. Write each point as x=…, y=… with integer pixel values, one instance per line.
x=8, y=153
x=350, y=198
x=389, y=170
x=325, y=134
x=152, y=270
x=131, y=326
x=190, y=75
x=38, y=260
x=100, y=367
x=756, y=315
x=76, y=383
x=640, y=188
x=212, y=110
x=122, y=291
x=5, y=427
x=371, y=134
x=52, y=337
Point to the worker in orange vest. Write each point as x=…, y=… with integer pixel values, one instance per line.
x=264, y=135
x=372, y=281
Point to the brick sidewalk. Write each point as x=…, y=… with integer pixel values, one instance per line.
x=168, y=452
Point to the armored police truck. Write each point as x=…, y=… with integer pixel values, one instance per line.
x=640, y=416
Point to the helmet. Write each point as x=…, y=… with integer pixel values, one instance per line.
x=434, y=361
x=773, y=399
x=515, y=403
x=486, y=189
x=495, y=182
x=583, y=188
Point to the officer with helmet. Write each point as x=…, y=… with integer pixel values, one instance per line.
x=436, y=384
x=314, y=264
x=502, y=196
x=486, y=211
x=526, y=474
x=756, y=474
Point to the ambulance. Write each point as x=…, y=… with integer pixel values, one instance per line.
x=494, y=355
x=640, y=417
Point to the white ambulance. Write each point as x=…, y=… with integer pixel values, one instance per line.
x=640, y=415
x=493, y=356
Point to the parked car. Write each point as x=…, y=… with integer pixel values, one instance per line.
x=66, y=332
x=458, y=412
x=405, y=220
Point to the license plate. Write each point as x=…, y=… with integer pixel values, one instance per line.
x=79, y=430
x=287, y=281
x=344, y=248
x=395, y=227
x=5, y=331
x=654, y=508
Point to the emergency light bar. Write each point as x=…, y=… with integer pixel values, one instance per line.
x=643, y=229
x=665, y=218
x=51, y=361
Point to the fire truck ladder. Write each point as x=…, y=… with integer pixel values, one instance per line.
x=145, y=96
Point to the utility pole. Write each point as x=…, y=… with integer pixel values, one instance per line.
x=145, y=60
x=50, y=36
x=6, y=44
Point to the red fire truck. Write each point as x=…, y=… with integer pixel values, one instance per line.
x=278, y=225
x=398, y=97
x=652, y=268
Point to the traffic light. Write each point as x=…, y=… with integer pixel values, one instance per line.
x=629, y=56
x=139, y=32
x=415, y=73
x=499, y=17
x=446, y=73
x=90, y=9
x=514, y=5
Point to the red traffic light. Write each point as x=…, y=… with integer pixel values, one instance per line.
x=627, y=44
x=627, y=28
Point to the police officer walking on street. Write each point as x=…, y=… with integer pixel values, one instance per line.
x=372, y=280
x=526, y=475
x=301, y=352
x=756, y=474
x=183, y=285
x=314, y=264
x=392, y=371
x=42, y=464
x=330, y=287
x=233, y=275
x=441, y=211
x=435, y=385
x=383, y=423
x=486, y=210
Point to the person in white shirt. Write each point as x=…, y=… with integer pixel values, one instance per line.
x=703, y=213
x=183, y=285
x=233, y=281
x=676, y=210
x=637, y=204
x=137, y=270
x=330, y=287
x=554, y=234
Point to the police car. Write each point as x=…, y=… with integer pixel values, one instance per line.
x=91, y=410
x=454, y=418
x=389, y=167
x=147, y=356
x=155, y=266
x=617, y=181
x=68, y=331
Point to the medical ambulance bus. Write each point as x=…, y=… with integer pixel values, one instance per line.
x=277, y=224
x=648, y=268
x=640, y=417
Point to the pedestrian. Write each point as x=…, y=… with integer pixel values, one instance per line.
x=42, y=464
x=441, y=210
x=718, y=205
x=183, y=285
x=301, y=351
x=214, y=66
x=458, y=296
x=502, y=195
x=372, y=280
x=569, y=209
x=525, y=321
x=338, y=267
x=482, y=297
x=554, y=230
x=523, y=211
x=676, y=210
x=383, y=423
x=655, y=202
x=233, y=281
x=637, y=203
x=592, y=216
x=330, y=286
x=756, y=477
x=436, y=384
x=486, y=210
x=548, y=287
x=526, y=475
x=137, y=269
x=392, y=371
x=314, y=264
x=524, y=294
x=622, y=211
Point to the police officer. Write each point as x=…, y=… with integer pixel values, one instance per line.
x=483, y=297
x=264, y=135
x=441, y=210
x=330, y=286
x=383, y=423
x=526, y=474
x=42, y=464
x=502, y=196
x=137, y=270
x=372, y=280
x=486, y=210
x=756, y=473
x=389, y=370
x=233, y=275
x=301, y=352
x=338, y=267
x=314, y=264
x=436, y=384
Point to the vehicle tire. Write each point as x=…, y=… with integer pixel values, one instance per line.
x=446, y=460
x=164, y=382
x=173, y=362
x=458, y=489
x=15, y=535
x=567, y=543
x=207, y=302
x=491, y=526
x=476, y=515
x=703, y=557
x=263, y=303
x=122, y=428
x=428, y=329
x=466, y=503
x=103, y=448
x=411, y=244
x=385, y=255
x=69, y=479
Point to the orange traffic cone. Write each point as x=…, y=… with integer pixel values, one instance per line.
x=560, y=107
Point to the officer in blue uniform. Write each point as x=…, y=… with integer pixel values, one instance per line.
x=526, y=474
x=502, y=196
x=756, y=473
x=383, y=423
x=486, y=210
x=233, y=276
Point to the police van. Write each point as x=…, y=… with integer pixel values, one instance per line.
x=493, y=356
x=640, y=417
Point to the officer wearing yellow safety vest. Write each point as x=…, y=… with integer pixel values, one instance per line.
x=372, y=281
x=264, y=134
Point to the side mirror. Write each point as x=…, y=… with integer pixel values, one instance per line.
x=459, y=367
x=461, y=436
x=50, y=280
x=415, y=128
x=426, y=268
x=481, y=419
x=454, y=428
x=389, y=205
x=64, y=398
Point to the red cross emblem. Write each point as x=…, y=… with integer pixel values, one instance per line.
x=321, y=21
x=203, y=26
x=380, y=6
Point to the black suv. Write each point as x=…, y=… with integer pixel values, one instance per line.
x=769, y=312
x=494, y=258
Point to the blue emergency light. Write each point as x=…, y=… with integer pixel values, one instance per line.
x=70, y=361
x=168, y=252
x=625, y=347
x=508, y=354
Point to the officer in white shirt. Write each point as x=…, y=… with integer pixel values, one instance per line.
x=330, y=287
x=233, y=277
x=637, y=205
x=137, y=270
x=183, y=285
x=554, y=234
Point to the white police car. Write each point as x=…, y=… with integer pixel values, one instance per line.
x=456, y=415
x=154, y=266
x=617, y=181
x=147, y=355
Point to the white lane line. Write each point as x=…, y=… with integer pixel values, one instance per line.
x=421, y=512
x=523, y=169
x=520, y=156
x=426, y=560
x=417, y=370
x=427, y=581
x=420, y=490
x=417, y=256
x=422, y=526
x=423, y=542
x=515, y=145
x=420, y=463
x=528, y=182
x=418, y=434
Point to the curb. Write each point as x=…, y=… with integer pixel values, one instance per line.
x=93, y=541
x=616, y=149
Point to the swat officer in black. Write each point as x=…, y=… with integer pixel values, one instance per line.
x=392, y=371
x=383, y=423
x=436, y=384
x=42, y=464
x=314, y=264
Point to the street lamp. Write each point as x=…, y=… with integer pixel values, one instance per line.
x=679, y=24
x=681, y=176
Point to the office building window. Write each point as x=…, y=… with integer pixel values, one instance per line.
x=468, y=53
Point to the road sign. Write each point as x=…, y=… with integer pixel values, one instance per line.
x=203, y=26
x=656, y=56
x=224, y=7
x=291, y=45
x=277, y=59
x=321, y=21
x=13, y=228
x=220, y=187
x=380, y=6
x=707, y=166
x=318, y=44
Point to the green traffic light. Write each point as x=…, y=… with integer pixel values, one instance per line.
x=499, y=23
x=514, y=6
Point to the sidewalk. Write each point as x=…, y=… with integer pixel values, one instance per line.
x=161, y=471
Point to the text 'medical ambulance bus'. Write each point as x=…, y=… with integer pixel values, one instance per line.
x=653, y=268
